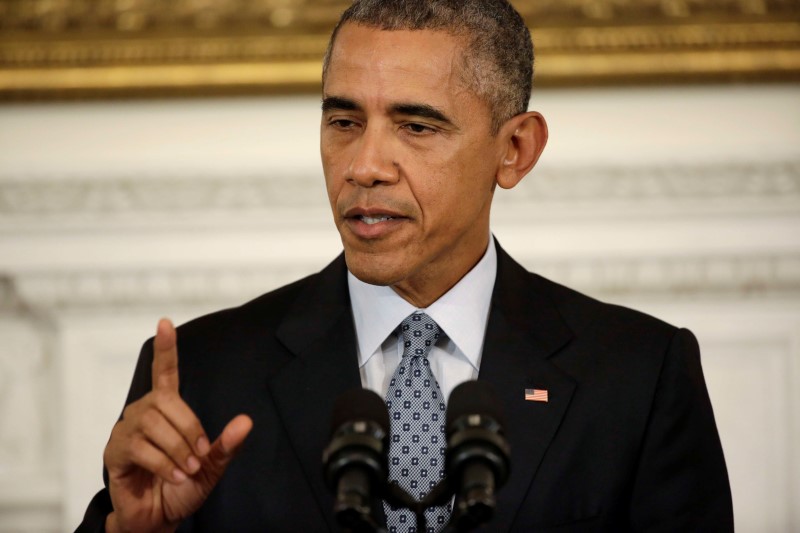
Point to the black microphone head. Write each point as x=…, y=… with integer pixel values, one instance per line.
x=354, y=464
x=471, y=398
x=359, y=404
x=475, y=433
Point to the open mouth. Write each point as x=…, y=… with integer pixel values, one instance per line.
x=373, y=220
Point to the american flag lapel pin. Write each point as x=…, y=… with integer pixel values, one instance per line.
x=536, y=395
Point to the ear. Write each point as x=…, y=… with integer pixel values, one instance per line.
x=524, y=137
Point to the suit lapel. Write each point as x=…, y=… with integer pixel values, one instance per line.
x=319, y=332
x=524, y=330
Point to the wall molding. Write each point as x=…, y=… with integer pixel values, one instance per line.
x=677, y=277
x=734, y=181
x=113, y=195
x=740, y=276
x=189, y=285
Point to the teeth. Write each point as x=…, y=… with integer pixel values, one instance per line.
x=374, y=220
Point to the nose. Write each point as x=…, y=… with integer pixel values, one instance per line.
x=372, y=163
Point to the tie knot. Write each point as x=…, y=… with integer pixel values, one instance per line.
x=419, y=334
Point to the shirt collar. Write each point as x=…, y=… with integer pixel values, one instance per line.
x=462, y=312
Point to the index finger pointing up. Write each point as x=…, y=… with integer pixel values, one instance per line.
x=165, y=357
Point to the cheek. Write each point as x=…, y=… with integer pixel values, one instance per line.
x=332, y=187
x=332, y=170
x=332, y=149
x=460, y=189
x=440, y=198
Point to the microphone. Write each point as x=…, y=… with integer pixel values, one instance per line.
x=478, y=460
x=355, y=466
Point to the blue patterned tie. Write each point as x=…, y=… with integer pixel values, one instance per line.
x=417, y=412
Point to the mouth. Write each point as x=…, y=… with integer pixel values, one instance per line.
x=370, y=220
x=372, y=215
x=373, y=223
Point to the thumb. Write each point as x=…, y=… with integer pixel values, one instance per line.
x=227, y=445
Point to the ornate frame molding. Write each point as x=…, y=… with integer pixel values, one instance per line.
x=80, y=48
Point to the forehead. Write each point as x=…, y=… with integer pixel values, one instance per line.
x=373, y=64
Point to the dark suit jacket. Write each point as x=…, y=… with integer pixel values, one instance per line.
x=627, y=440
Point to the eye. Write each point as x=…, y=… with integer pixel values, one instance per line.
x=341, y=123
x=417, y=128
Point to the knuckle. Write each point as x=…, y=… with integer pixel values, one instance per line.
x=115, y=444
x=178, y=450
x=166, y=376
x=161, y=396
x=142, y=453
x=128, y=411
x=116, y=434
x=107, y=454
x=193, y=428
x=137, y=448
x=150, y=418
x=114, y=431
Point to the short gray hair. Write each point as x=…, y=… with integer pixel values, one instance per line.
x=498, y=61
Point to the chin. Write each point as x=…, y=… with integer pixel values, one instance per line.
x=373, y=269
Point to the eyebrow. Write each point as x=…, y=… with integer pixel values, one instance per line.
x=422, y=111
x=337, y=103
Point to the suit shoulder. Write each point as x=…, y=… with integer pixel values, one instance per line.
x=263, y=312
x=524, y=290
x=611, y=343
x=603, y=322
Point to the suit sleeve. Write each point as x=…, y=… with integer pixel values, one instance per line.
x=94, y=520
x=682, y=481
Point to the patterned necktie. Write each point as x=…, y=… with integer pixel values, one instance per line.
x=417, y=412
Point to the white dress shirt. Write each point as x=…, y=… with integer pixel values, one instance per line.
x=461, y=313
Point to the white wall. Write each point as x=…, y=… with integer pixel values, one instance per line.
x=681, y=201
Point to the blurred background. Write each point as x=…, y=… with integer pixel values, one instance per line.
x=161, y=159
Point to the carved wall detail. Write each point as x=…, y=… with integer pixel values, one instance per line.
x=677, y=277
x=22, y=426
x=110, y=203
x=168, y=193
x=755, y=182
x=742, y=276
x=728, y=181
x=227, y=286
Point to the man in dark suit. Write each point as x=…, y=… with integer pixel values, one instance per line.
x=424, y=114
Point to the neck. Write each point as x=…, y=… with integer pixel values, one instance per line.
x=422, y=290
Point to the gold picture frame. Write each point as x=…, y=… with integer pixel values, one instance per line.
x=54, y=49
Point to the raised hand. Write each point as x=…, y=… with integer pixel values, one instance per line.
x=161, y=467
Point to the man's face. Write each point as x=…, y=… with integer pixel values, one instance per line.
x=409, y=159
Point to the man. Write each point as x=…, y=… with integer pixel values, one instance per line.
x=424, y=113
